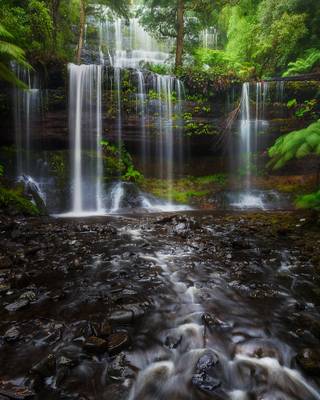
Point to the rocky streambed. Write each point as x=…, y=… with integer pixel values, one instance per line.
x=197, y=305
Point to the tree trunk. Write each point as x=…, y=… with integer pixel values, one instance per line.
x=55, y=4
x=81, y=29
x=180, y=33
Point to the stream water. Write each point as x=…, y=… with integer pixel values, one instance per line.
x=184, y=306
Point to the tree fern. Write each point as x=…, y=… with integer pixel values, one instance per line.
x=304, y=65
x=9, y=53
x=297, y=144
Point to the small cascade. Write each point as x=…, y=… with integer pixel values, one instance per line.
x=252, y=121
x=124, y=45
x=209, y=38
x=85, y=124
x=27, y=109
x=141, y=108
x=280, y=87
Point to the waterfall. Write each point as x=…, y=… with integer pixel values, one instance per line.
x=252, y=122
x=129, y=44
x=245, y=136
x=27, y=105
x=141, y=108
x=85, y=124
x=280, y=91
x=209, y=38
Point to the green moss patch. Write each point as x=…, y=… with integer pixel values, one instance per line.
x=12, y=201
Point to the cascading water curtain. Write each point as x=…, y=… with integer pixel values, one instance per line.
x=85, y=124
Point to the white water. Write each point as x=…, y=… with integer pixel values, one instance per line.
x=85, y=124
x=127, y=46
x=27, y=105
x=252, y=121
x=209, y=38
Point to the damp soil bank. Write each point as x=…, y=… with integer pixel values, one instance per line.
x=198, y=305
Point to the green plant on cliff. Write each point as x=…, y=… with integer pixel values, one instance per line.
x=118, y=163
x=9, y=52
x=13, y=201
x=305, y=64
x=298, y=144
x=311, y=200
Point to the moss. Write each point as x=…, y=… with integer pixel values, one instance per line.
x=13, y=201
x=187, y=190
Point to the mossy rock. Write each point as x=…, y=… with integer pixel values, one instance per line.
x=13, y=202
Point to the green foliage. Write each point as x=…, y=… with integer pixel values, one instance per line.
x=307, y=109
x=160, y=69
x=118, y=162
x=297, y=144
x=9, y=53
x=292, y=103
x=305, y=64
x=13, y=201
x=32, y=26
x=220, y=63
x=1, y=170
x=132, y=174
x=187, y=190
x=310, y=201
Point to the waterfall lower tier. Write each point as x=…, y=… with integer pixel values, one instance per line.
x=252, y=122
x=85, y=124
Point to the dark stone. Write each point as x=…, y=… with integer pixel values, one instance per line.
x=17, y=305
x=5, y=262
x=15, y=392
x=118, y=368
x=205, y=382
x=206, y=362
x=309, y=360
x=205, y=368
x=105, y=329
x=173, y=342
x=117, y=341
x=12, y=334
x=96, y=345
x=45, y=367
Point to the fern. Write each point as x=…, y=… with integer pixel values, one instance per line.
x=297, y=144
x=9, y=52
x=304, y=65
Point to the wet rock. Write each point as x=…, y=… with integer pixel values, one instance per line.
x=241, y=244
x=309, y=360
x=121, y=316
x=128, y=314
x=205, y=382
x=5, y=262
x=45, y=367
x=96, y=344
x=206, y=362
x=105, y=329
x=4, y=288
x=118, y=369
x=204, y=377
x=211, y=321
x=172, y=342
x=17, y=305
x=29, y=296
x=12, y=334
x=117, y=341
x=11, y=391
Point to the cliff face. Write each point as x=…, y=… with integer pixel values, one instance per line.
x=202, y=122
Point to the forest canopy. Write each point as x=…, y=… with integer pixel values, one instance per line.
x=255, y=38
